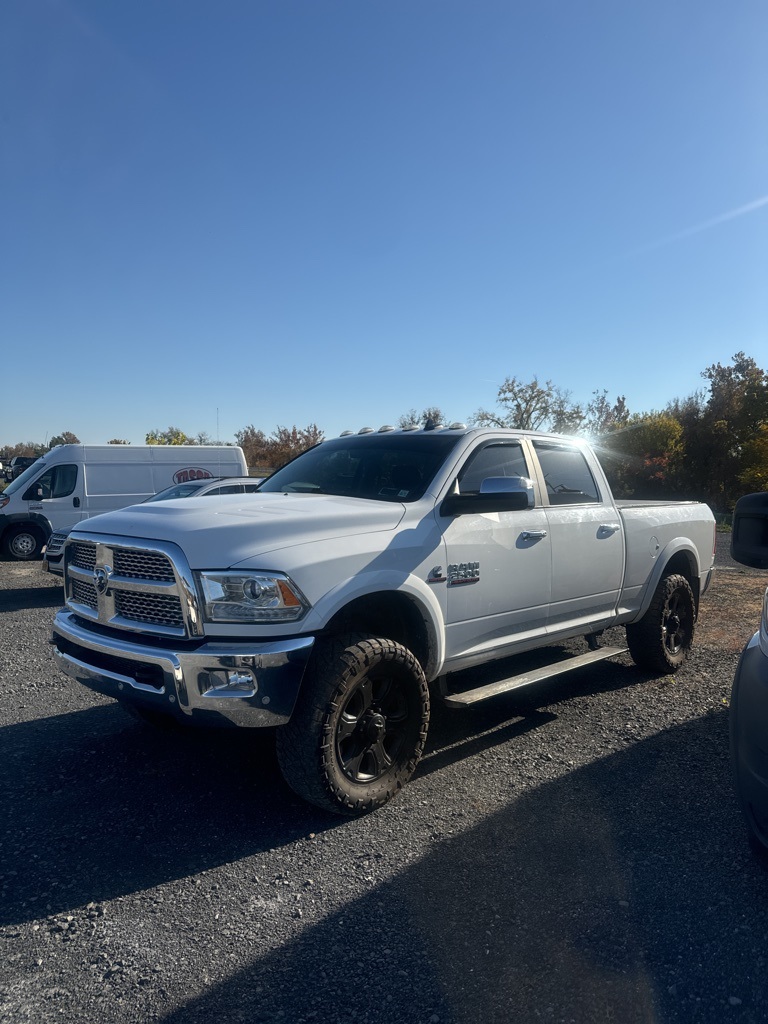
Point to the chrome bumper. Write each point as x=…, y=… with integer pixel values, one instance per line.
x=706, y=580
x=243, y=684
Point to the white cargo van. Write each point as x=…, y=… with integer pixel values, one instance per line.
x=75, y=481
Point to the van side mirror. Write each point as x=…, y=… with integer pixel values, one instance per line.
x=496, y=494
x=749, y=535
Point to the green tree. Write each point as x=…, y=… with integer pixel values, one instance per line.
x=170, y=436
x=753, y=474
x=67, y=437
x=736, y=410
x=117, y=440
x=601, y=417
x=722, y=428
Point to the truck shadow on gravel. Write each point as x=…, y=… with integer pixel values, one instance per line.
x=18, y=599
x=96, y=805
x=621, y=891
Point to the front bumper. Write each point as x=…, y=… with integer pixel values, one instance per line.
x=53, y=565
x=749, y=738
x=242, y=684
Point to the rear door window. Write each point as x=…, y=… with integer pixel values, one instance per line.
x=567, y=476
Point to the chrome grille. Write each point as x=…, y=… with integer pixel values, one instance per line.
x=55, y=543
x=83, y=555
x=84, y=593
x=151, y=608
x=145, y=586
x=143, y=565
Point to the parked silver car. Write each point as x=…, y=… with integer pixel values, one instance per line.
x=53, y=551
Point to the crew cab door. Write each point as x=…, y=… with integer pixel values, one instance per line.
x=497, y=575
x=586, y=535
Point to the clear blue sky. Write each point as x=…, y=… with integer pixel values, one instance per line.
x=233, y=211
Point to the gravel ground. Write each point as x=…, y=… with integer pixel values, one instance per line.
x=571, y=854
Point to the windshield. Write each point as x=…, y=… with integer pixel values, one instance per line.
x=178, y=491
x=383, y=467
x=24, y=478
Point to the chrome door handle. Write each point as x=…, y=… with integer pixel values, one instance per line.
x=534, y=534
x=608, y=528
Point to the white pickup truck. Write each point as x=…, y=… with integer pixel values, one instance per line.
x=370, y=567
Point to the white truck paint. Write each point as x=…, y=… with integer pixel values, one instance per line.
x=364, y=570
x=72, y=482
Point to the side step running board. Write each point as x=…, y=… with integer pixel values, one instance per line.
x=462, y=700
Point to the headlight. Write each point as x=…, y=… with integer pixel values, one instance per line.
x=764, y=626
x=253, y=597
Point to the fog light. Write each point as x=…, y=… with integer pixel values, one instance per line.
x=231, y=683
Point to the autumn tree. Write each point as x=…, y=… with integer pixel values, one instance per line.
x=532, y=406
x=412, y=418
x=284, y=443
x=8, y=451
x=254, y=444
x=643, y=457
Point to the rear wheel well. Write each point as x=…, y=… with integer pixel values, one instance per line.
x=391, y=615
x=682, y=564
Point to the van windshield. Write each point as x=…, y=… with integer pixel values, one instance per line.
x=383, y=467
x=26, y=477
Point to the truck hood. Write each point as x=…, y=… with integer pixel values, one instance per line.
x=218, y=532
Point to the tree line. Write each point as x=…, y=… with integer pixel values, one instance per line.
x=710, y=446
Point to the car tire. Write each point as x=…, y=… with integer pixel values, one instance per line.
x=359, y=726
x=662, y=639
x=23, y=543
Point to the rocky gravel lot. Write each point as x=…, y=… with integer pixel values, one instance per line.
x=569, y=854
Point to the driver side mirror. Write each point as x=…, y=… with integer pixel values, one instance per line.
x=496, y=494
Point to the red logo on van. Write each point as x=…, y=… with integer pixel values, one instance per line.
x=183, y=476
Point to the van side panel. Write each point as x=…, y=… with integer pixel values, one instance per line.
x=117, y=476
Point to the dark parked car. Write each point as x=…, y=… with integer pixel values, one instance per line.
x=17, y=465
x=749, y=696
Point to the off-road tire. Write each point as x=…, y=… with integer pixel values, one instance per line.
x=359, y=726
x=662, y=639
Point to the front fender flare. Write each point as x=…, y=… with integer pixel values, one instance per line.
x=367, y=584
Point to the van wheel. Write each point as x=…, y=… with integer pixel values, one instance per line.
x=23, y=542
x=359, y=726
x=662, y=639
